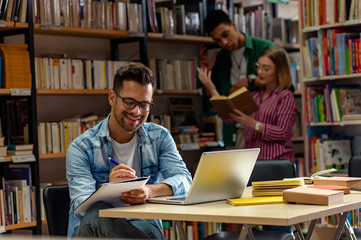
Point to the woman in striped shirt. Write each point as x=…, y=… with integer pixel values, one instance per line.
x=270, y=128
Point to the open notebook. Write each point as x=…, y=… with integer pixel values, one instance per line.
x=219, y=175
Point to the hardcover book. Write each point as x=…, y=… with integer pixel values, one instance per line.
x=276, y=187
x=346, y=190
x=352, y=182
x=255, y=200
x=240, y=99
x=313, y=196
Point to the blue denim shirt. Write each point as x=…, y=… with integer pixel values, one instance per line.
x=87, y=166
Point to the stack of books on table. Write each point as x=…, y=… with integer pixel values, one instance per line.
x=275, y=188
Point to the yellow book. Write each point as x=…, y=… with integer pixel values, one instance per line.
x=278, y=183
x=275, y=187
x=255, y=200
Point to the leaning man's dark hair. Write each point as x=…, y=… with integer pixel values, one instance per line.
x=133, y=72
x=214, y=18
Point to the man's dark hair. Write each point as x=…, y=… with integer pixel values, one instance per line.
x=133, y=72
x=215, y=18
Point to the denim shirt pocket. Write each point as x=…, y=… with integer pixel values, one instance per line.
x=101, y=177
x=151, y=171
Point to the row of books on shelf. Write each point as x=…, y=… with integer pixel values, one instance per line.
x=174, y=74
x=320, y=12
x=15, y=66
x=180, y=17
x=332, y=52
x=17, y=196
x=55, y=137
x=194, y=230
x=256, y=22
x=333, y=103
x=13, y=10
x=62, y=73
x=113, y=15
x=328, y=153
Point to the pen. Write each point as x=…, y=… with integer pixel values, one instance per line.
x=112, y=160
x=116, y=163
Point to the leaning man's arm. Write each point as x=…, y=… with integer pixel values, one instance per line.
x=172, y=167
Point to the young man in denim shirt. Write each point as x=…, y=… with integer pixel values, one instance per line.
x=141, y=148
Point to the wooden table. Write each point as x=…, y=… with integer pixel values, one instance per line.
x=274, y=214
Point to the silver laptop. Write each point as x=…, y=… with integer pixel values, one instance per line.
x=219, y=175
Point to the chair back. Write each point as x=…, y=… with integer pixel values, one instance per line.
x=57, y=204
x=272, y=169
x=354, y=167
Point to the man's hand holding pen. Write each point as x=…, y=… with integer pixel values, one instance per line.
x=122, y=172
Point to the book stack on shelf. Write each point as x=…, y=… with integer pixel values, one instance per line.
x=54, y=73
x=15, y=65
x=21, y=153
x=14, y=10
x=55, y=137
x=174, y=74
x=17, y=196
x=110, y=15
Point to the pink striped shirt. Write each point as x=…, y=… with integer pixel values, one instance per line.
x=277, y=113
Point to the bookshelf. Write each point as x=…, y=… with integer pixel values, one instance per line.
x=9, y=31
x=328, y=72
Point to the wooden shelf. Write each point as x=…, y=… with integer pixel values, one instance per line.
x=331, y=78
x=20, y=225
x=340, y=124
x=4, y=91
x=177, y=38
x=72, y=91
x=174, y=92
x=106, y=91
x=351, y=23
x=298, y=139
x=297, y=93
x=85, y=32
x=52, y=155
x=6, y=26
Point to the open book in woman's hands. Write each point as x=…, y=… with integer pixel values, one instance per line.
x=241, y=99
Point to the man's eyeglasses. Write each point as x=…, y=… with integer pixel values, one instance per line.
x=130, y=103
x=264, y=68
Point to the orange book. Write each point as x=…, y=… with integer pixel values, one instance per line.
x=346, y=190
x=352, y=182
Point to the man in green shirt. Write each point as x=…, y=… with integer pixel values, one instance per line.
x=233, y=66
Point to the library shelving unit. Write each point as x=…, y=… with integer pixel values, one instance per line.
x=24, y=31
x=321, y=68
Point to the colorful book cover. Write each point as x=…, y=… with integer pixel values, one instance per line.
x=337, y=153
